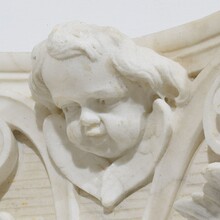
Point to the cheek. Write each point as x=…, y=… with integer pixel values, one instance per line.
x=123, y=128
x=73, y=131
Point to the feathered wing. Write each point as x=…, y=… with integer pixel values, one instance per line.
x=136, y=168
x=83, y=169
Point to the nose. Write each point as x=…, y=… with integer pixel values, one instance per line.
x=89, y=117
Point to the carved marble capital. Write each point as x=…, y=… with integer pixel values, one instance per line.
x=102, y=126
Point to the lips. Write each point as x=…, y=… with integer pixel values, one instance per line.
x=93, y=139
x=95, y=131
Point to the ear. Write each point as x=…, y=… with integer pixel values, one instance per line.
x=167, y=78
x=211, y=117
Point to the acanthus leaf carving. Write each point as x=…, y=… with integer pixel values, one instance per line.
x=204, y=205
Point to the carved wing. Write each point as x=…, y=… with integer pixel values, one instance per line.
x=82, y=169
x=118, y=179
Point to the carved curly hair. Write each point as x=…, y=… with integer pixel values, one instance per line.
x=167, y=78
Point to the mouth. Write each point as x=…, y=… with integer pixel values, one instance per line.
x=95, y=131
x=100, y=145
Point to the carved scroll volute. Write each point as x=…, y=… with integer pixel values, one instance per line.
x=8, y=159
x=206, y=204
x=8, y=152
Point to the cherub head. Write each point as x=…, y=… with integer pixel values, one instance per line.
x=105, y=85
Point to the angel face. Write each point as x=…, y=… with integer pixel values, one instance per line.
x=105, y=115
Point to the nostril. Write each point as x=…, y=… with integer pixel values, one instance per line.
x=89, y=118
x=89, y=123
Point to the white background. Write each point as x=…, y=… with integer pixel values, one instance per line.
x=24, y=23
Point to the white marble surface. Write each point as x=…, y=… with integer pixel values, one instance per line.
x=111, y=92
x=88, y=81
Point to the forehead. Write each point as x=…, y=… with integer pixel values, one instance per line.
x=79, y=78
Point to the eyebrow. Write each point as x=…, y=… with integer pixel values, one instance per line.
x=99, y=94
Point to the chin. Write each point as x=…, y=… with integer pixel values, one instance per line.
x=101, y=146
x=101, y=153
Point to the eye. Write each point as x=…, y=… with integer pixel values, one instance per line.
x=101, y=101
x=108, y=102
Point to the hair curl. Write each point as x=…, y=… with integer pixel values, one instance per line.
x=167, y=78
